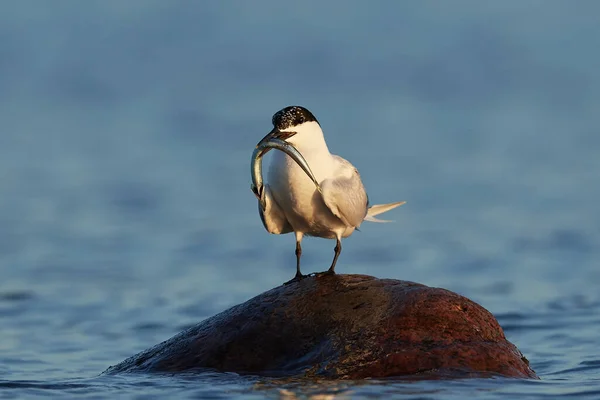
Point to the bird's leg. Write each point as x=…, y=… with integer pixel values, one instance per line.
x=299, y=275
x=298, y=255
x=338, y=250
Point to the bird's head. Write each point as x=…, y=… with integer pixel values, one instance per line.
x=296, y=125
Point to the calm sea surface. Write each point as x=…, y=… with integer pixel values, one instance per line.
x=126, y=129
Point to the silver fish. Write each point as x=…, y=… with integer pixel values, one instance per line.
x=256, y=165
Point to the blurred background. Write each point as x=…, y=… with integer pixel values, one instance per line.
x=126, y=130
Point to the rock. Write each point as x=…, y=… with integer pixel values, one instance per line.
x=343, y=327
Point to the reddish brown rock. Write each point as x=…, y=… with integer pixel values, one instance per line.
x=343, y=327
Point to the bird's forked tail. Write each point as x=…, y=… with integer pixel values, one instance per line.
x=381, y=208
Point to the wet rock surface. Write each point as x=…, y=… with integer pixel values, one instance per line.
x=343, y=327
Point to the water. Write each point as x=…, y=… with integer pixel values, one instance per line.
x=125, y=210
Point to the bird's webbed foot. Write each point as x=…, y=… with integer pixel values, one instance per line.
x=324, y=273
x=296, y=278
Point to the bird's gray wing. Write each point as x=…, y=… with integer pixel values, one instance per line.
x=345, y=194
x=272, y=217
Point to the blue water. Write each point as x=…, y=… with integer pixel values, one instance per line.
x=126, y=129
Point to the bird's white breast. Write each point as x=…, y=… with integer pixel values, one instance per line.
x=297, y=195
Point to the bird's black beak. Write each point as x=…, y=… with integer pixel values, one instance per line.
x=276, y=134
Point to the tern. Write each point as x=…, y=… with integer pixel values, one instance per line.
x=291, y=202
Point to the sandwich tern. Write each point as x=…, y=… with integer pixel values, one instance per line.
x=292, y=201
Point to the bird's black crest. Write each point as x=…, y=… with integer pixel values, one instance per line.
x=292, y=116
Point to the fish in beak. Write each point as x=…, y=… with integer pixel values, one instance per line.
x=275, y=134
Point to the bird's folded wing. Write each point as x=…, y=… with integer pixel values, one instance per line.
x=346, y=198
